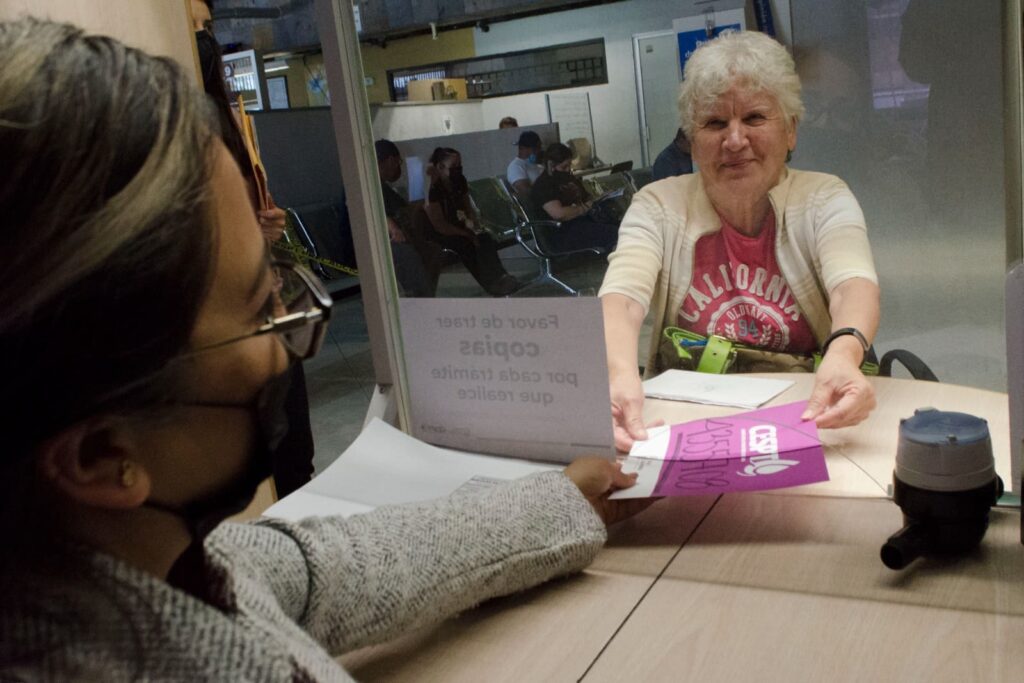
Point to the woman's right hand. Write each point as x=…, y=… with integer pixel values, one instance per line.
x=273, y=222
x=597, y=479
x=623, y=318
x=627, y=394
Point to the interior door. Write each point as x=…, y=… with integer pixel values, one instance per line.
x=657, y=82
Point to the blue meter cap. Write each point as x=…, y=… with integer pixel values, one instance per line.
x=939, y=427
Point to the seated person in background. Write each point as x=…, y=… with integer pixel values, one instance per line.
x=674, y=160
x=151, y=300
x=746, y=248
x=451, y=221
x=407, y=254
x=524, y=170
x=561, y=196
x=508, y=122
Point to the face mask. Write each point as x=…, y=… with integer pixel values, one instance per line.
x=532, y=158
x=209, y=57
x=563, y=176
x=268, y=410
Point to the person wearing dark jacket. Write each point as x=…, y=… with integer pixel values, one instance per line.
x=561, y=196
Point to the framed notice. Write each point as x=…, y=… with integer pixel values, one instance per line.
x=708, y=20
x=277, y=90
x=571, y=111
x=520, y=377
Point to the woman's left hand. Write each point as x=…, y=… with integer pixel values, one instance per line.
x=842, y=395
x=272, y=222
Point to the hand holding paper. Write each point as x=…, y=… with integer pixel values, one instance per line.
x=597, y=478
x=755, y=451
x=627, y=396
x=842, y=395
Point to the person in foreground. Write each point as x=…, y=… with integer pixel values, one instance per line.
x=149, y=333
x=293, y=464
x=745, y=249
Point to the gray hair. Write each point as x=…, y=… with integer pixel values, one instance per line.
x=105, y=226
x=749, y=59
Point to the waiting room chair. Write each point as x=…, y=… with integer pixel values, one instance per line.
x=613, y=209
x=534, y=234
x=612, y=181
x=436, y=257
x=323, y=230
x=640, y=177
x=497, y=214
x=917, y=368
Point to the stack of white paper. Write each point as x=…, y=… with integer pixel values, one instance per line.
x=387, y=467
x=719, y=390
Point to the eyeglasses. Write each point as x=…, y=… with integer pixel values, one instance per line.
x=298, y=310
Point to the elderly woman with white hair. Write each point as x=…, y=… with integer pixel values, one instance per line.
x=746, y=249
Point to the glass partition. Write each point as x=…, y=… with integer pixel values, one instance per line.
x=905, y=102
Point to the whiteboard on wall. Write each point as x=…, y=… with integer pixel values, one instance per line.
x=571, y=111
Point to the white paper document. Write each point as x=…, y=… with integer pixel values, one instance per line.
x=523, y=378
x=384, y=466
x=719, y=390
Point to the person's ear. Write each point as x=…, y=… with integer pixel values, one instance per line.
x=95, y=463
x=791, y=134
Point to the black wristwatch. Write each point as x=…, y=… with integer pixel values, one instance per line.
x=842, y=332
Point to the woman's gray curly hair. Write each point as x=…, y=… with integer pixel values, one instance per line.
x=749, y=59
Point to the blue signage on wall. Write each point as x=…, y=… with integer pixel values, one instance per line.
x=691, y=40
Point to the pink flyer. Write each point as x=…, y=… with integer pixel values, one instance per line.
x=770, y=448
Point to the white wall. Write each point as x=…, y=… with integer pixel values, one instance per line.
x=528, y=110
x=411, y=121
x=159, y=28
x=613, y=106
x=484, y=153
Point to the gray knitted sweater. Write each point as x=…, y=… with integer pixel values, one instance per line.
x=284, y=598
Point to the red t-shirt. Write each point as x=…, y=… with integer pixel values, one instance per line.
x=738, y=292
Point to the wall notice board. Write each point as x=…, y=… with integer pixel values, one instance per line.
x=571, y=111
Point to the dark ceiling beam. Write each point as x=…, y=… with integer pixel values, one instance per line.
x=478, y=19
x=274, y=12
x=248, y=13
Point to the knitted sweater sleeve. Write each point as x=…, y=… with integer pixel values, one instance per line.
x=368, y=578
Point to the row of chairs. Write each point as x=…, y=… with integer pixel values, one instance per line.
x=322, y=229
x=510, y=220
x=631, y=181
